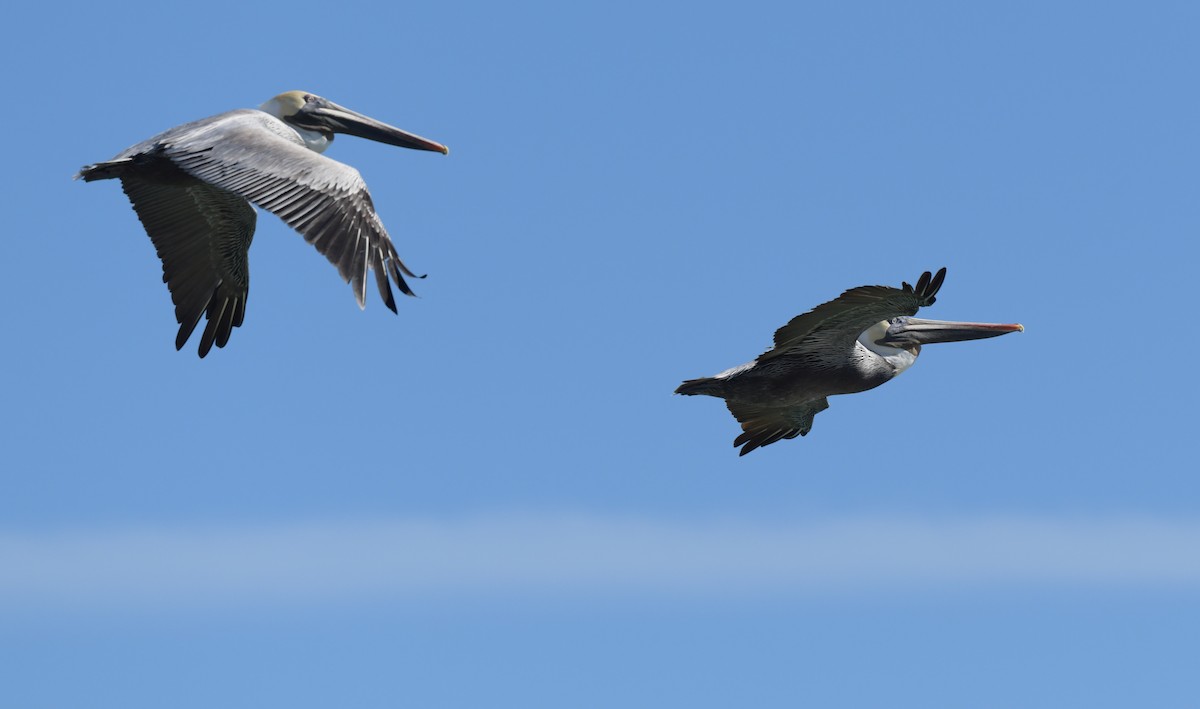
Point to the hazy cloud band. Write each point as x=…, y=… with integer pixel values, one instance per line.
x=583, y=556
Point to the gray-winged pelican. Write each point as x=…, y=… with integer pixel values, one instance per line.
x=192, y=187
x=855, y=342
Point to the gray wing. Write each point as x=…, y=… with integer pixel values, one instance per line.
x=763, y=425
x=326, y=201
x=835, y=325
x=202, y=235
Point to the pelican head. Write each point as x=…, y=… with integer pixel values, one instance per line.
x=910, y=333
x=317, y=119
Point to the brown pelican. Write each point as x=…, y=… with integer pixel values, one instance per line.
x=192, y=187
x=855, y=342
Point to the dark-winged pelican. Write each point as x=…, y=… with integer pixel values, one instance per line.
x=855, y=342
x=192, y=187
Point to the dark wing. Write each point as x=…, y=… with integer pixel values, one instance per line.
x=837, y=324
x=324, y=200
x=202, y=235
x=763, y=425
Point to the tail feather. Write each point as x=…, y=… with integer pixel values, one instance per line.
x=103, y=170
x=710, y=386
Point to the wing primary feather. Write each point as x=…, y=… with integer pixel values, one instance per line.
x=186, y=328
x=225, y=326
x=341, y=251
x=923, y=282
x=381, y=280
x=399, y=279
x=215, y=310
x=361, y=263
x=936, y=285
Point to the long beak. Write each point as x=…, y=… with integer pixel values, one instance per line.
x=342, y=120
x=918, y=331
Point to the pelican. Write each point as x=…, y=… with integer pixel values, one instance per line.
x=192, y=187
x=861, y=339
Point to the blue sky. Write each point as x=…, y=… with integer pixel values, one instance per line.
x=493, y=498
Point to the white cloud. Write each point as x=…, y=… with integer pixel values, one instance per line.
x=559, y=556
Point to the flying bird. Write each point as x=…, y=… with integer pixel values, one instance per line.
x=192, y=187
x=861, y=339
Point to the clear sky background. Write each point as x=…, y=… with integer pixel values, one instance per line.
x=494, y=499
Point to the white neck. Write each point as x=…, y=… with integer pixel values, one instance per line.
x=313, y=140
x=899, y=359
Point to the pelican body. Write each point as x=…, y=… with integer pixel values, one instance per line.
x=192, y=187
x=865, y=337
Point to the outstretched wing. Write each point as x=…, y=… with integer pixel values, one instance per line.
x=834, y=326
x=245, y=152
x=202, y=235
x=763, y=425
